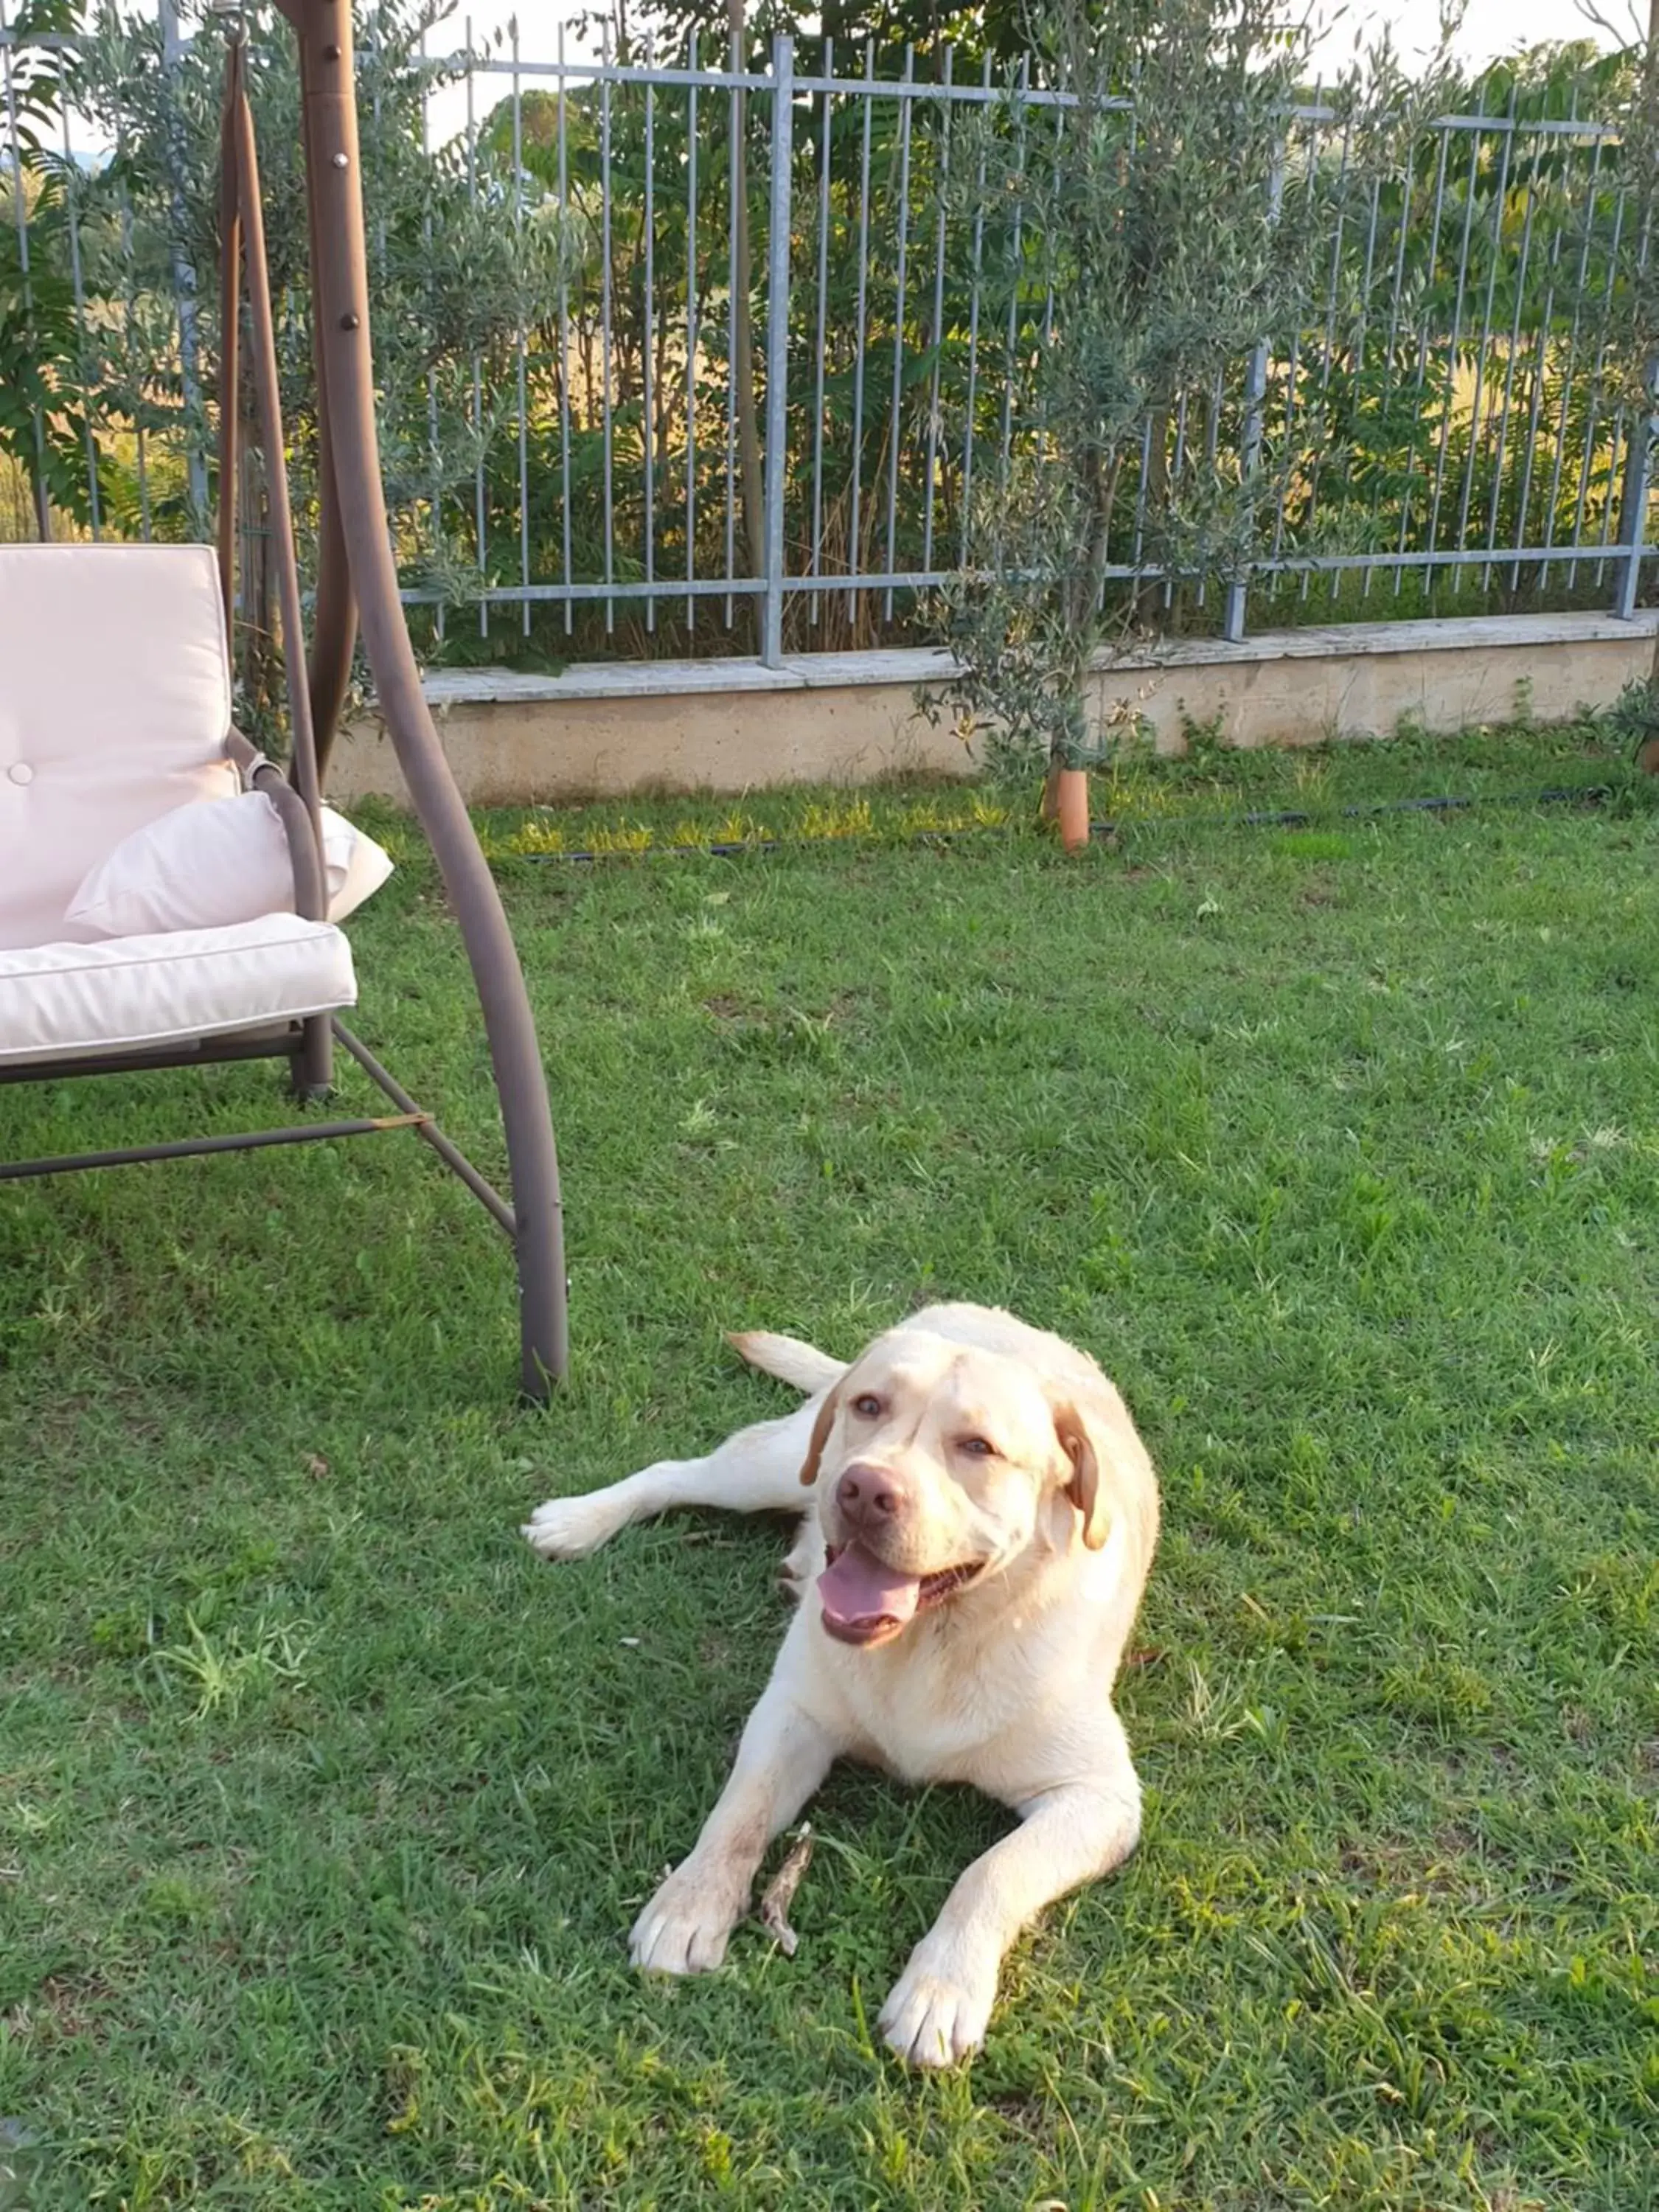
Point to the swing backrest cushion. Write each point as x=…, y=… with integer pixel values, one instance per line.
x=114, y=709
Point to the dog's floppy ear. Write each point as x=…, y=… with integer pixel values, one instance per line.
x=826, y=1414
x=1084, y=1487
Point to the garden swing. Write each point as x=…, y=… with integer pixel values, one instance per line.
x=169, y=897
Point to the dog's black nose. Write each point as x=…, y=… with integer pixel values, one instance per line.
x=868, y=1497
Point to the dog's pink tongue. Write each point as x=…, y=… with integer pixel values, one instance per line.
x=859, y=1593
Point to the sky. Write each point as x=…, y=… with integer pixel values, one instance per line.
x=1491, y=29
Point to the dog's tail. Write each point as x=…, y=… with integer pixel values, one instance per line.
x=788, y=1359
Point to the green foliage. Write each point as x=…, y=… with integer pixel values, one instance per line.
x=1447, y=360
x=1171, y=224
x=43, y=368
x=454, y=276
x=1632, y=720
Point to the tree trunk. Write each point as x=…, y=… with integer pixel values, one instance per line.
x=1147, y=607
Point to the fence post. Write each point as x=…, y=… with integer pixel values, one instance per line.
x=777, y=343
x=1255, y=392
x=1633, y=502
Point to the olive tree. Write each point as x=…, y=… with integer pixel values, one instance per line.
x=1155, y=237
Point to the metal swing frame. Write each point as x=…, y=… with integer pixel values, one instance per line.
x=357, y=588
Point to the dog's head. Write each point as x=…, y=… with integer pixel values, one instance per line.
x=939, y=1465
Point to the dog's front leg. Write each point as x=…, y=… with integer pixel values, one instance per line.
x=784, y=1755
x=938, y=2009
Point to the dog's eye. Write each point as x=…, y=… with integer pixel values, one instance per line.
x=867, y=1404
x=977, y=1448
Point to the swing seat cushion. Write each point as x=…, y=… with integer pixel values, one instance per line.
x=114, y=709
x=139, y=994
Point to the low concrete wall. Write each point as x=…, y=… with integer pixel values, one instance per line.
x=606, y=731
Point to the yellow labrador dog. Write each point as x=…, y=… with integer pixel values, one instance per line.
x=982, y=1520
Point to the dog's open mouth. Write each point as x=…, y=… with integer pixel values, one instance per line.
x=866, y=1601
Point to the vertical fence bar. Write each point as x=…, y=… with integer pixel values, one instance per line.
x=690, y=332
x=735, y=167
x=1633, y=500
x=1330, y=344
x=371, y=48
x=1511, y=357
x=1539, y=368
x=1211, y=440
x=564, y=83
x=130, y=308
x=20, y=208
x=183, y=274
x=941, y=194
x=434, y=452
x=827, y=128
x=1570, y=368
x=78, y=279
x=1359, y=354
x=1633, y=494
x=1056, y=157
x=1423, y=348
x=1633, y=505
x=650, y=339
x=1250, y=453
x=1392, y=345
x=480, y=521
x=1142, y=488
x=777, y=342
x=905, y=110
x=1293, y=377
x=1484, y=351
x=974, y=291
x=1469, y=195
x=868, y=98
x=1005, y=463
x=1144, y=459
x=519, y=342
x=1587, y=457
x=1176, y=468
x=606, y=408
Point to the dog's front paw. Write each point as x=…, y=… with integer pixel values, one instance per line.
x=936, y=2014
x=570, y=1527
x=683, y=1929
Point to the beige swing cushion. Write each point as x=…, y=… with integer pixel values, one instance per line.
x=114, y=711
x=140, y=993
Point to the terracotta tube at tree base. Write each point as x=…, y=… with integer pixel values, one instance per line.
x=1070, y=806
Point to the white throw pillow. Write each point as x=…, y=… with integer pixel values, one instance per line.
x=216, y=863
x=355, y=867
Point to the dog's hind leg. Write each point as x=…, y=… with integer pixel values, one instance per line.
x=756, y=1471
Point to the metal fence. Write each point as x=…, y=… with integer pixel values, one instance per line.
x=579, y=474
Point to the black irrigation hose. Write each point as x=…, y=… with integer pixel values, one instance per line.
x=1587, y=795
x=1584, y=794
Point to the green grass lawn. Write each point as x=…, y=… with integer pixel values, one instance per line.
x=324, y=1807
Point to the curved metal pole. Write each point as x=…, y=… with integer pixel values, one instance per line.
x=334, y=612
x=230, y=332
x=340, y=297
x=313, y=1067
